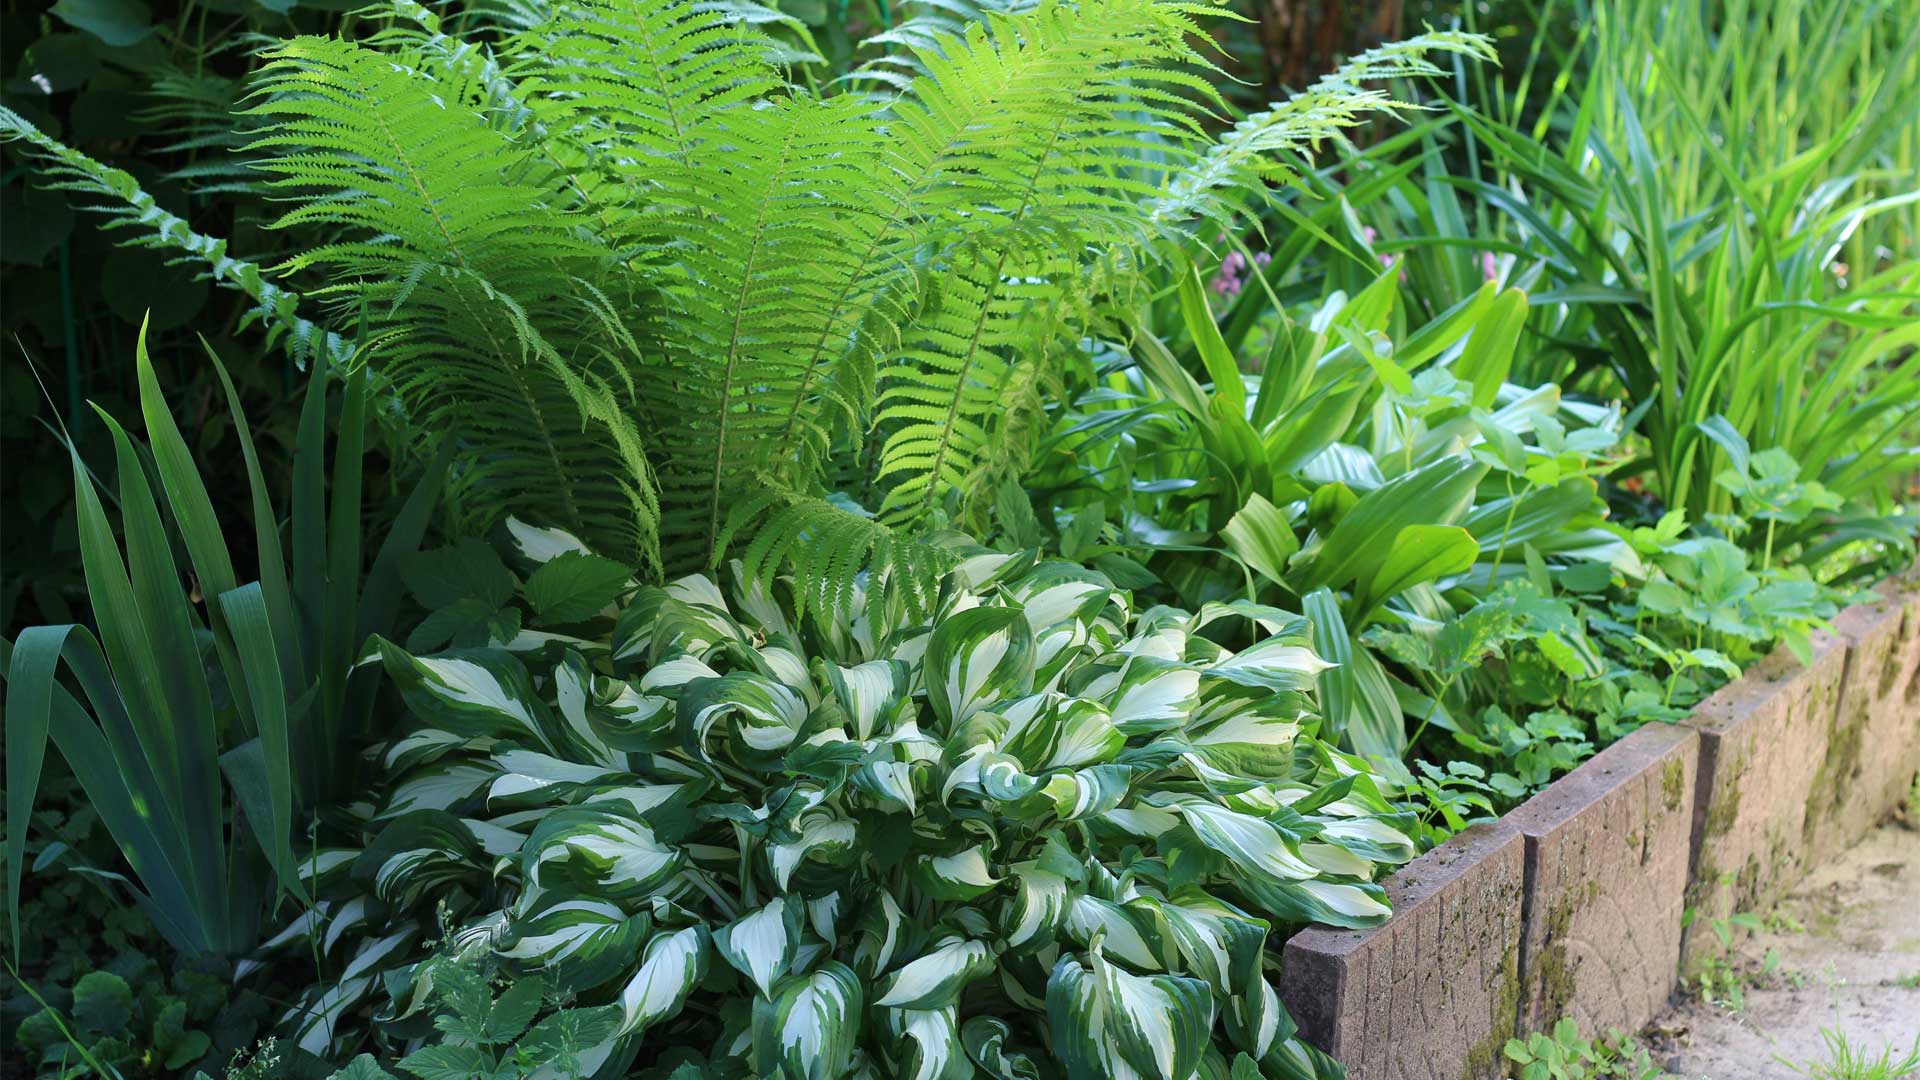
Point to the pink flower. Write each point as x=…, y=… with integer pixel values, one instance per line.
x=1489, y=266
x=1228, y=281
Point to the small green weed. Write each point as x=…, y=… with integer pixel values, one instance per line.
x=1563, y=1055
x=1847, y=1062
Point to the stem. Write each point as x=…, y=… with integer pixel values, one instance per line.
x=1766, y=557
x=1414, y=739
x=1493, y=576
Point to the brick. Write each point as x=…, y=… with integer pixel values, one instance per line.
x=1607, y=849
x=1763, y=742
x=1431, y=994
x=1873, y=747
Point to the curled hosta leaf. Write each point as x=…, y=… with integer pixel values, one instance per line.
x=1109, y=1024
x=670, y=968
x=808, y=1028
x=934, y=981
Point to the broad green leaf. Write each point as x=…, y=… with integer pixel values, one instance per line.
x=574, y=586
x=119, y=23
x=1488, y=355
x=1419, y=554
x=1438, y=493
x=1261, y=536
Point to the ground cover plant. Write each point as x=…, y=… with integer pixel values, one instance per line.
x=863, y=840
x=784, y=553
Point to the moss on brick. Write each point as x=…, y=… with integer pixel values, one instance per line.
x=1725, y=808
x=1837, y=772
x=1553, y=972
x=1673, y=781
x=1503, y=1016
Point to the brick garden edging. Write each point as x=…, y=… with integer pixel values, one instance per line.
x=1572, y=904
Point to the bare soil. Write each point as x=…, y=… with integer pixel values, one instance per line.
x=1845, y=955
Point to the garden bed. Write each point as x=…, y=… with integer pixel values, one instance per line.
x=1593, y=898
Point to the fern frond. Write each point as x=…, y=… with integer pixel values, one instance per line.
x=1244, y=161
x=1071, y=97
x=482, y=286
x=126, y=206
x=826, y=551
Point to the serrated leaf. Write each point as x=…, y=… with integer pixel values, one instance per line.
x=575, y=586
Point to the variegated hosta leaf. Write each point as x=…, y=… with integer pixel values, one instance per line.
x=1348, y=904
x=1108, y=1024
x=763, y=715
x=1249, y=745
x=1123, y=930
x=1038, y=908
x=974, y=657
x=1152, y=694
x=1276, y=663
x=960, y=876
x=808, y=1028
x=1087, y=792
x=761, y=943
x=818, y=834
x=985, y=1039
x=416, y=854
x=600, y=850
x=673, y=964
x=928, y=1042
x=868, y=691
x=580, y=942
x=470, y=692
x=1252, y=846
x=935, y=979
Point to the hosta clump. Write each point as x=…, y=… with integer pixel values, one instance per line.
x=1041, y=835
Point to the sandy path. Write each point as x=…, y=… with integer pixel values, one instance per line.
x=1854, y=967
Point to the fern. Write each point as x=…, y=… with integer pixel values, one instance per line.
x=484, y=288
x=128, y=207
x=1250, y=157
x=597, y=219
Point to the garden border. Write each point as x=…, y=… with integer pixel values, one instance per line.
x=1574, y=904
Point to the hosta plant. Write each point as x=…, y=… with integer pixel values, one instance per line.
x=1039, y=835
